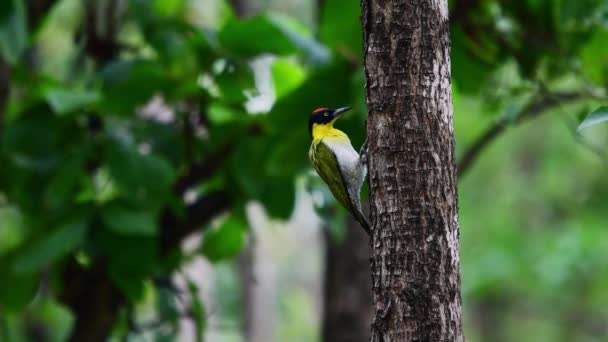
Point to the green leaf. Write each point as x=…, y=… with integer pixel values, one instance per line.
x=69, y=100
x=253, y=36
x=286, y=76
x=595, y=117
x=278, y=197
x=33, y=141
x=123, y=219
x=219, y=113
x=340, y=28
x=13, y=30
x=128, y=84
x=134, y=255
x=12, y=229
x=51, y=247
x=246, y=177
x=132, y=287
x=139, y=176
x=225, y=241
x=326, y=86
x=234, y=80
x=17, y=290
x=66, y=181
x=301, y=36
x=594, y=55
x=269, y=34
x=198, y=311
x=168, y=7
x=288, y=155
x=469, y=73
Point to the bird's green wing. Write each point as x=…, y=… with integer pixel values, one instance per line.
x=327, y=167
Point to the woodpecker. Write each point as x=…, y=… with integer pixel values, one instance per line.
x=337, y=162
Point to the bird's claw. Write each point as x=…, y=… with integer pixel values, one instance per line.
x=363, y=153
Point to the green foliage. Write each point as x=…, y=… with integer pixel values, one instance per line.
x=595, y=117
x=342, y=34
x=122, y=218
x=64, y=101
x=51, y=247
x=21, y=291
x=242, y=37
x=198, y=311
x=13, y=31
x=12, y=230
x=95, y=148
x=225, y=241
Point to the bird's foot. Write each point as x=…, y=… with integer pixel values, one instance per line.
x=363, y=153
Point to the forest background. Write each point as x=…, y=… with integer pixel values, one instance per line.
x=154, y=180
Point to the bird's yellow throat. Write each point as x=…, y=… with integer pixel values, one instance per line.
x=320, y=131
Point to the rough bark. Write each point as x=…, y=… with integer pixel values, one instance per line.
x=347, y=302
x=413, y=201
x=94, y=301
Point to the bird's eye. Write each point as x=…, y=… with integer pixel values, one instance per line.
x=326, y=114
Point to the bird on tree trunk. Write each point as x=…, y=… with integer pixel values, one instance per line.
x=337, y=162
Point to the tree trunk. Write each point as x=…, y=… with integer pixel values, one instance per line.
x=413, y=201
x=348, y=294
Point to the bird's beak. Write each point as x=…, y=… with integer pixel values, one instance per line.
x=339, y=111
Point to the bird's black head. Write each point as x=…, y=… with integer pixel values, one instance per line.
x=324, y=116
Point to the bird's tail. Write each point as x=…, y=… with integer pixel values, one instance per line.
x=360, y=217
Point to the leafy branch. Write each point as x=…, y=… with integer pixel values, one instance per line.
x=536, y=107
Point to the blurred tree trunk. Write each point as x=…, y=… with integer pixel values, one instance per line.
x=245, y=265
x=487, y=312
x=347, y=311
x=247, y=259
x=413, y=200
x=258, y=292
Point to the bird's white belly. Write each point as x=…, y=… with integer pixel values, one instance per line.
x=348, y=159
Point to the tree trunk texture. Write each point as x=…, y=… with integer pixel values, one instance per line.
x=93, y=299
x=347, y=301
x=413, y=200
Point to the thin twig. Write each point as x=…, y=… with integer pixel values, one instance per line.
x=538, y=105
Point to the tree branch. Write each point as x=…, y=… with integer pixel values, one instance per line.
x=175, y=229
x=36, y=10
x=90, y=293
x=101, y=44
x=534, y=109
x=92, y=298
x=202, y=170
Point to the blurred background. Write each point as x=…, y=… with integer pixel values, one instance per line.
x=155, y=186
